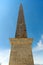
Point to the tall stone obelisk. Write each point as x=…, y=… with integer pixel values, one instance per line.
x=21, y=50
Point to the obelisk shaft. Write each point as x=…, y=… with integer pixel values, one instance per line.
x=21, y=27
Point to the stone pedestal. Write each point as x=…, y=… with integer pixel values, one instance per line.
x=21, y=51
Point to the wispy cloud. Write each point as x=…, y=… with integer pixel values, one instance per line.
x=4, y=56
x=39, y=46
x=38, y=52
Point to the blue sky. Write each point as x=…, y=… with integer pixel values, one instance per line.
x=33, y=12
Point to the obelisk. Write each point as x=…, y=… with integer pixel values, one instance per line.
x=21, y=46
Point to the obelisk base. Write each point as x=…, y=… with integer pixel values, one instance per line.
x=21, y=52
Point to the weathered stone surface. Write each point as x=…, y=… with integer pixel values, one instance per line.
x=21, y=53
x=21, y=50
x=21, y=27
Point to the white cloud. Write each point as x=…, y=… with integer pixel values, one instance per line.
x=39, y=46
x=38, y=52
x=38, y=59
x=4, y=56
